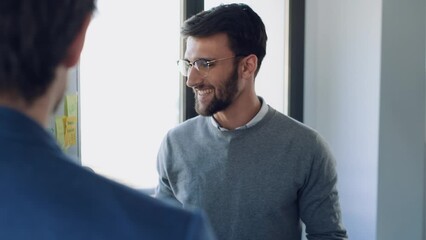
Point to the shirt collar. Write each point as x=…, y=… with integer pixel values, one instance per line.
x=259, y=116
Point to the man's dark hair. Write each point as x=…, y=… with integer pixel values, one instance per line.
x=34, y=38
x=244, y=28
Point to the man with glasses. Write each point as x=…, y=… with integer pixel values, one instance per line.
x=255, y=171
x=44, y=195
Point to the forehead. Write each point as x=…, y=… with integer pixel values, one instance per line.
x=213, y=46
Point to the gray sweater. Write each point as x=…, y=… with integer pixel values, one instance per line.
x=255, y=183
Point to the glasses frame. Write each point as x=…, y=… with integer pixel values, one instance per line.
x=194, y=64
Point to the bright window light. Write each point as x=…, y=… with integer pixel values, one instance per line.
x=129, y=88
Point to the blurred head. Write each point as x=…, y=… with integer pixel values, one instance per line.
x=36, y=36
x=244, y=28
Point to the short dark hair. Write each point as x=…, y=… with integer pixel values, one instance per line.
x=244, y=28
x=34, y=38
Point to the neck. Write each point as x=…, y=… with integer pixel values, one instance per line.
x=239, y=113
x=42, y=107
x=38, y=110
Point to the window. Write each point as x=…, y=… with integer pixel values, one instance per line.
x=129, y=88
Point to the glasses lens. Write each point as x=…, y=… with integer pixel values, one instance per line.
x=202, y=66
x=183, y=67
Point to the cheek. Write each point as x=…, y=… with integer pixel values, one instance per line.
x=222, y=77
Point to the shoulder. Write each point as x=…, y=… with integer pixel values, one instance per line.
x=161, y=220
x=288, y=126
x=189, y=127
x=296, y=134
x=140, y=215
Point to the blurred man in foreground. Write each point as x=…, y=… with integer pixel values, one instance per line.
x=43, y=194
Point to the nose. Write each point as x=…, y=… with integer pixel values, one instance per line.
x=194, y=78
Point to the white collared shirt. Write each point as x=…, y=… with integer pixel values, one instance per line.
x=259, y=116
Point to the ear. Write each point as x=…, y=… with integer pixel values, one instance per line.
x=76, y=46
x=249, y=66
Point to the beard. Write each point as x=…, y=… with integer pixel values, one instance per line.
x=222, y=98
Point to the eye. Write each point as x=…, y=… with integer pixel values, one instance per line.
x=202, y=63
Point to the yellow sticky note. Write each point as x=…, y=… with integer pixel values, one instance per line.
x=71, y=105
x=60, y=131
x=70, y=131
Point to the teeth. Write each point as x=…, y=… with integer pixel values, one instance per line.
x=207, y=91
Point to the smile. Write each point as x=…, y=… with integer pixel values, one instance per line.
x=204, y=92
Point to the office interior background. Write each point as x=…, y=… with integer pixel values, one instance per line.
x=352, y=70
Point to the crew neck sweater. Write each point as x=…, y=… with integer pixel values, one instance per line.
x=254, y=183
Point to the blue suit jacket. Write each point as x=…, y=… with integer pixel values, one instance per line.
x=43, y=195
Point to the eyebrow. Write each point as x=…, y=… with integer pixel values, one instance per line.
x=201, y=58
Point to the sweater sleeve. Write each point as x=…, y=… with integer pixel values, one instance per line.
x=164, y=190
x=318, y=199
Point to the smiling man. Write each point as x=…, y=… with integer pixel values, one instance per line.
x=255, y=171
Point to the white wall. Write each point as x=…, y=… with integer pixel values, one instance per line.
x=342, y=78
x=352, y=80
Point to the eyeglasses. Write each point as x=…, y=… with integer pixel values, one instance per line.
x=202, y=65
